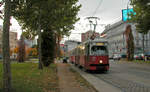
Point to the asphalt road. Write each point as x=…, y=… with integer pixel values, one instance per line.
x=127, y=76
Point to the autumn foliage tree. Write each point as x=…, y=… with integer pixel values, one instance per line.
x=130, y=43
x=16, y=50
x=21, y=50
x=32, y=52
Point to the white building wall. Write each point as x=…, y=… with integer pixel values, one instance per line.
x=70, y=45
x=117, y=40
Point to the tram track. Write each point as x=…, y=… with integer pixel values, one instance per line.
x=123, y=84
x=124, y=77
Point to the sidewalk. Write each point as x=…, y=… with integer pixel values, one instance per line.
x=98, y=84
x=68, y=81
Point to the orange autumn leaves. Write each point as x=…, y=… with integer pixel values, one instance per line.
x=29, y=51
x=32, y=51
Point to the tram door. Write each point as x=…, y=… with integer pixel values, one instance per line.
x=87, y=53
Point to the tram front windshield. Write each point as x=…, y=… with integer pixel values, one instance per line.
x=99, y=50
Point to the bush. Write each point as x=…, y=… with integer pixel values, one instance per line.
x=48, y=48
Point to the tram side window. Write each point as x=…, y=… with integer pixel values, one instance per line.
x=73, y=53
x=99, y=50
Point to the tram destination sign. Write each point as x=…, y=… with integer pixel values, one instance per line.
x=100, y=44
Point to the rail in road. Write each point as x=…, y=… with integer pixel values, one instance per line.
x=128, y=77
x=122, y=76
x=124, y=85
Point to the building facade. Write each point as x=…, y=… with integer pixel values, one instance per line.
x=87, y=35
x=12, y=38
x=117, y=41
x=70, y=45
x=30, y=43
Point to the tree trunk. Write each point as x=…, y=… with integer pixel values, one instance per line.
x=6, y=48
x=58, y=45
x=40, y=41
x=21, y=52
x=40, y=52
x=130, y=43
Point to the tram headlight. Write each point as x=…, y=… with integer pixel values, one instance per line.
x=100, y=61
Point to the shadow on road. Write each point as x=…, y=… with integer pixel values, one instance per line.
x=98, y=72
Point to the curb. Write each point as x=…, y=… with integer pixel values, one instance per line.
x=98, y=84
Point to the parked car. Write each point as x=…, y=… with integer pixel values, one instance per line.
x=147, y=56
x=139, y=56
x=110, y=56
x=116, y=56
x=123, y=55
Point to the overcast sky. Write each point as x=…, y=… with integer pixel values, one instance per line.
x=109, y=12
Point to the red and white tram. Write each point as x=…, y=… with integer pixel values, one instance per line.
x=72, y=56
x=92, y=55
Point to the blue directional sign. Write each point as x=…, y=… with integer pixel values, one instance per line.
x=126, y=14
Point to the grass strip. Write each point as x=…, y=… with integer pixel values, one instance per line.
x=141, y=61
x=82, y=81
x=26, y=77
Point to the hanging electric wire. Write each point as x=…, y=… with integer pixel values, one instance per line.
x=84, y=1
x=97, y=7
x=95, y=18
